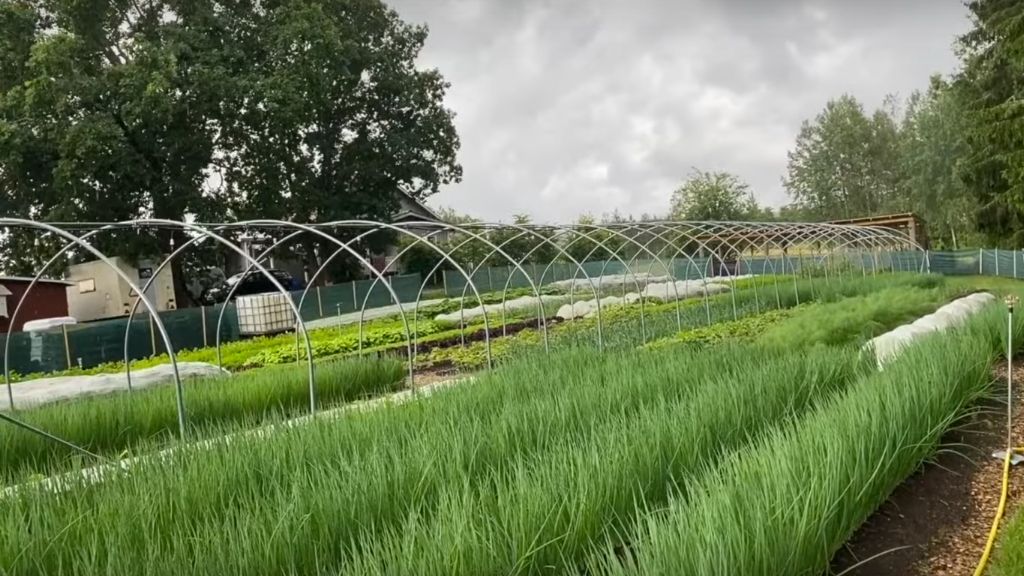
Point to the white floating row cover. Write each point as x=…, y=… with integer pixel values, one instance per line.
x=888, y=345
x=632, y=280
x=44, y=324
x=611, y=280
x=46, y=390
x=663, y=291
x=495, y=310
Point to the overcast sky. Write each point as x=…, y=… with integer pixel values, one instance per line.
x=573, y=106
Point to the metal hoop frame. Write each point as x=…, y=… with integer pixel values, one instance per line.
x=662, y=243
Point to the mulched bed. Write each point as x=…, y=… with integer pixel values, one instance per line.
x=940, y=517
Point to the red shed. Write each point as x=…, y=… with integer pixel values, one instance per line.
x=48, y=299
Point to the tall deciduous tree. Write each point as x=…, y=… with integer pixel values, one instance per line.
x=933, y=149
x=845, y=163
x=714, y=196
x=290, y=109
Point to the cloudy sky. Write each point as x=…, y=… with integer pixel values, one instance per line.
x=588, y=106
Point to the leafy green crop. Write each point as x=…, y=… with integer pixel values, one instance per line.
x=735, y=330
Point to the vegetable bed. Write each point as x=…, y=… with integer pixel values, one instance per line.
x=143, y=419
x=758, y=455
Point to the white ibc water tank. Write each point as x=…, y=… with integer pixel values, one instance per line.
x=260, y=314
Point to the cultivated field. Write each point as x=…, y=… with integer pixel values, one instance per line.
x=747, y=434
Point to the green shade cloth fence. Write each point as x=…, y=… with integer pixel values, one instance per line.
x=95, y=343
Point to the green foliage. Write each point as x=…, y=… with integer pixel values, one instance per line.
x=473, y=356
x=303, y=111
x=956, y=157
x=622, y=327
x=332, y=343
x=845, y=163
x=744, y=329
x=933, y=149
x=549, y=463
x=854, y=319
x=588, y=243
x=988, y=87
x=503, y=457
x=714, y=196
x=1009, y=557
x=251, y=353
x=147, y=418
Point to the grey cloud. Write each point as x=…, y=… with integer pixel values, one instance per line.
x=576, y=106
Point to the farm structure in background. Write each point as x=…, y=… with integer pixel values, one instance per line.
x=98, y=292
x=43, y=298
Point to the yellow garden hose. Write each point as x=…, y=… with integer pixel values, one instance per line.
x=983, y=563
x=1010, y=450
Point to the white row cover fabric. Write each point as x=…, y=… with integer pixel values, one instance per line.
x=682, y=290
x=47, y=390
x=44, y=324
x=662, y=291
x=609, y=281
x=888, y=346
x=495, y=310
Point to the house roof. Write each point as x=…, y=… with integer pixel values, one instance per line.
x=418, y=205
x=40, y=281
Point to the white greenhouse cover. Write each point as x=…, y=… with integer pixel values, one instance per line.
x=46, y=390
x=43, y=324
x=887, y=346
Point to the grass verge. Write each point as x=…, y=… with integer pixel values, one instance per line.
x=1009, y=555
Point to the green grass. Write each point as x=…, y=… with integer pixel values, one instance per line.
x=114, y=423
x=1009, y=555
x=785, y=504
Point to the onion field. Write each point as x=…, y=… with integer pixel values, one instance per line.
x=755, y=444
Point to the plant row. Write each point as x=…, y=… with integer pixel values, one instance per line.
x=713, y=319
x=114, y=423
x=341, y=496
x=786, y=503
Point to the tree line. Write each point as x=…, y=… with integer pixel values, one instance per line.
x=953, y=153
